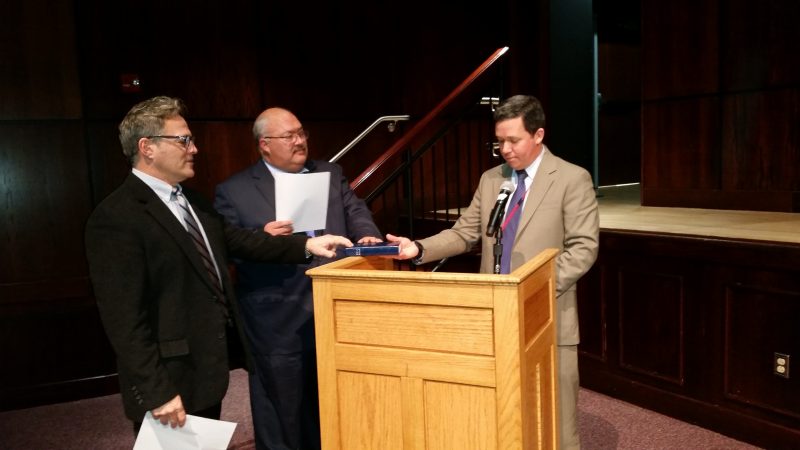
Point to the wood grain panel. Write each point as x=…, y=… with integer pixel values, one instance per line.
x=108, y=167
x=536, y=313
x=783, y=201
x=456, y=368
x=681, y=145
x=38, y=73
x=458, y=293
x=540, y=394
x=761, y=319
x=376, y=421
x=215, y=72
x=224, y=148
x=651, y=323
x=413, y=407
x=448, y=329
x=57, y=346
x=592, y=313
x=758, y=43
x=44, y=201
x=743, y=152
x=755, y=160
x=459, y=416
x=680, y=41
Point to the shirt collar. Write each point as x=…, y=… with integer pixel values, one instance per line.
x=275, y=170
x=534, y=167
x=162, y=189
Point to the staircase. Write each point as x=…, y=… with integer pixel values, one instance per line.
x=419, y=185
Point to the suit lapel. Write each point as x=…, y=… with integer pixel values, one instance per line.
x=542, y=182
x=264, y=183
x=162, y=215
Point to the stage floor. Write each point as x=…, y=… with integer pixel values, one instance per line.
x=620, y=209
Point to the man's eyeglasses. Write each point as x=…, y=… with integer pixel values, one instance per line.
x=299, y=134
x=185, y=140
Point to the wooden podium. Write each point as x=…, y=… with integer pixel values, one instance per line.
x=422, y=360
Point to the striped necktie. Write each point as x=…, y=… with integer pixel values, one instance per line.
x=193, y=229
x=512, y=221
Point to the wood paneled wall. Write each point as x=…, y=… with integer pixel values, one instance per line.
x=337, y=66
x=721, y=100
x=689, y=327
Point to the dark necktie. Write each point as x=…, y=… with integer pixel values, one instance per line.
x=197, y=238
x=512, y=221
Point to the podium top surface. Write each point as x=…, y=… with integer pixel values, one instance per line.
x=376, y=267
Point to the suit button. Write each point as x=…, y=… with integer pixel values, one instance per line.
x=221, y=335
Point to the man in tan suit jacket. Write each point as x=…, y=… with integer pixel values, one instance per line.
x=559, y=211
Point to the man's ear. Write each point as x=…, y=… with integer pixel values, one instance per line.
x=538, y=137
x=145, y=148
x=263, y=148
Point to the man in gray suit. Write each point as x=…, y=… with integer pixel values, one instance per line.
x=557, y=210
x=276, y=298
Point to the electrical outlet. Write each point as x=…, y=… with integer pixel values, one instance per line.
x=781, y=365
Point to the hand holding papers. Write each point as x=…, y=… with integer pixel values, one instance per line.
x=198, y=433
x=303, y=199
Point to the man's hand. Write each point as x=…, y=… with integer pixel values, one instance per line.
x=369, y=240
x=408, y=249
x=279, y=228
x=171, y=413
x=326, y=245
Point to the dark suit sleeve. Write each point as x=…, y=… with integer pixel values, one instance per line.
x=260, y=246
x=254, y=244
x=357, y=216
x=118, y=267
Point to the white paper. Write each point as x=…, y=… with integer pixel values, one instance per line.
x=303, y=199
x=198, y=433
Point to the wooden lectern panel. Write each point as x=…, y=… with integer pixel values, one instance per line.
x=373, y=402
x=420, y=360
x=424, y=327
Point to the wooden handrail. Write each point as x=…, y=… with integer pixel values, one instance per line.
x=417, y=129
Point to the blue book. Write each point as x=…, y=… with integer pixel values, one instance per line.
x=381, y=248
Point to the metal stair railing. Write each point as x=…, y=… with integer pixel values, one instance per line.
x=392, y=126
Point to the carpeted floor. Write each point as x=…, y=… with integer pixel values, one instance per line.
x=99, y=423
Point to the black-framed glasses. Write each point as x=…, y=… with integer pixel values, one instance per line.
x=186, y=140
x=301, y=134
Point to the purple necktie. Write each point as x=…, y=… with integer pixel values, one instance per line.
x=512, y=221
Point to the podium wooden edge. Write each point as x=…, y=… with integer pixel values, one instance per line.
x=377, y=267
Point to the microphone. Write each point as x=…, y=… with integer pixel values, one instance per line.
x=496, y=217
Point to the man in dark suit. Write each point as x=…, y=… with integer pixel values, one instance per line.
x=159, y=270
x=557, y=209
x=276, y=298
